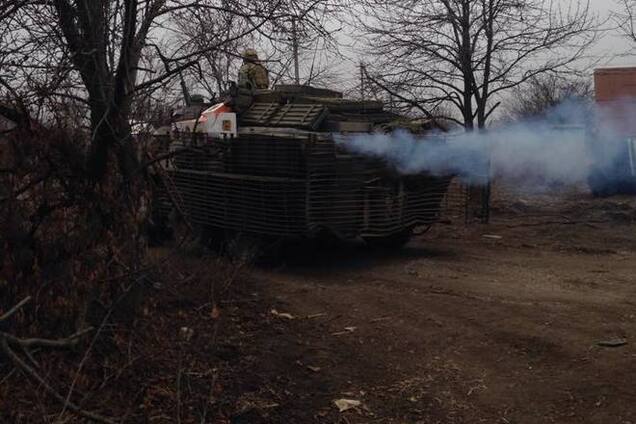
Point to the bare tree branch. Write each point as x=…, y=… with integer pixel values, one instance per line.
x=469, y=51
x=15, y=309
x=31, y=373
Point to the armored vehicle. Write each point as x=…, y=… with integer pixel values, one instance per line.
x=273, y=167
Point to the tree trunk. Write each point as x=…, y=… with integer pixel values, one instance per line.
x=467, y=68
x=481, y=114
x=111, y=134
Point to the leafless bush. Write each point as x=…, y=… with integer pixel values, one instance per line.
x=65, y=246
x=60, y=236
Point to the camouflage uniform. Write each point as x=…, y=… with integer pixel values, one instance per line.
x=253, y=74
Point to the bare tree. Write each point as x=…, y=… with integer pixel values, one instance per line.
x=469, y=52
x=97, y=52
x=542, y=94
x=72, y=190
x=624, y=18
x=66, y=196
x=304, y=51
x=304, y=24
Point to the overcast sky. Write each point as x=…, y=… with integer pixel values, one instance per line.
x=612, y=49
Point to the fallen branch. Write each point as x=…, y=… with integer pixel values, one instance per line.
x=7, y=339
x=15, y=309
x=37, y=342
x=67, y=399
x=30, y=372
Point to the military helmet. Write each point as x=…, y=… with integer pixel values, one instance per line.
x=250, y=54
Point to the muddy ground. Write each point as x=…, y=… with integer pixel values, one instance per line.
x=530, y=319
x=499, y=323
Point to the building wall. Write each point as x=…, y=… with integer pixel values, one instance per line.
x=614, y=83
x=615, y=90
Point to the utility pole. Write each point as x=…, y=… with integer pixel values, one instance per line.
x=295, y=47
x=186, y=92
x=361, y=80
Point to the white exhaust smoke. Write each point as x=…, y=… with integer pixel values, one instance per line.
x=540, y=153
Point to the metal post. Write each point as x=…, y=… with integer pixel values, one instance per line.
x=361, y=81
x=295, y=48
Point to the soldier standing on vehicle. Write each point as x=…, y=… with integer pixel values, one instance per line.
x=253, y=74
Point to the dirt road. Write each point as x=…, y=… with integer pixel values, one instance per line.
x=528, y=320
x=467, y=324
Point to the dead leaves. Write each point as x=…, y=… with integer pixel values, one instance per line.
x=215, y=313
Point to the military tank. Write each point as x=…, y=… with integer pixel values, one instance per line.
x=273, y=167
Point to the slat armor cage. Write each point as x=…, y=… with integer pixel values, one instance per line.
x=293, y=184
